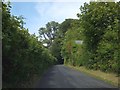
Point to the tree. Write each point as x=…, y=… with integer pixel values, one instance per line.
x=66, y=25
x=49, y=33
x=70, y=50
x=99, y=21
x=56, y=50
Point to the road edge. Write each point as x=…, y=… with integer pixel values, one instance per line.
x=95, y=76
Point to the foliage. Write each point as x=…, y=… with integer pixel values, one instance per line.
x=23, y=55
x=71, y=51
x=98, y=28
x=100, y=23
x=55, y=50
x=49, y=33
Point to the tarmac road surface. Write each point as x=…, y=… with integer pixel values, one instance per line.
x=60, y=76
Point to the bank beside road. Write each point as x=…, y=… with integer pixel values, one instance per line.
x=110, y=78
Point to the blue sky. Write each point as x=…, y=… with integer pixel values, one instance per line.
x=37, y=14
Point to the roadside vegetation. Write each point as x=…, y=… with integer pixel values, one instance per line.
x=92, y=41
x=110, y=78
x=23, y=54
x=98, y=29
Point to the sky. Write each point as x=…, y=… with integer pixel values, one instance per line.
x=38, y=14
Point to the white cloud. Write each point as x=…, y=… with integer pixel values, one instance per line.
x=58, y=11
x=54, y=0
x=47, y=0
x=67, y=10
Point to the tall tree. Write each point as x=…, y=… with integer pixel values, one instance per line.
x=99, y=21
x=49, y=33
x=66, y=25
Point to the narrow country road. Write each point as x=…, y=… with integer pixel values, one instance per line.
x=60, y=76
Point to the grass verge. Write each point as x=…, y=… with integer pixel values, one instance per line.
x=110, y=78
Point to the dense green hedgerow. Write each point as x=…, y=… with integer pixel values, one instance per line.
x=23, y=55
